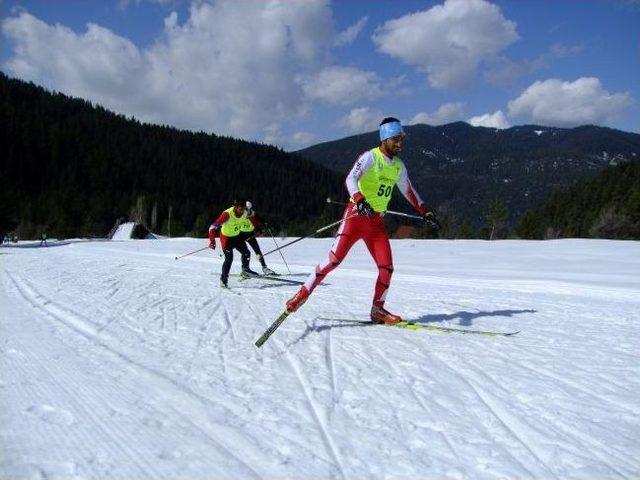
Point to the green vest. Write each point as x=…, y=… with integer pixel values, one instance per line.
x=233, y=226
x=247, y=226
x=377, y=184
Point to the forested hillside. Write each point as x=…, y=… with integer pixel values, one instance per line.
x=607, y=206
x=70, y=168
x=463, y=171
x=73, y=169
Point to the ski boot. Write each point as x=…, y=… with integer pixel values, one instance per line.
x=380, y=315
x=298, y=299
x=248, y=273
x=267, y=271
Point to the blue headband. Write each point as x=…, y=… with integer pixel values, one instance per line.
x=391, y=129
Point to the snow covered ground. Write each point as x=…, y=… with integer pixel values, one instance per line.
x=119, y=362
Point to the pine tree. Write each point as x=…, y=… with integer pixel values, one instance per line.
x=496, y=217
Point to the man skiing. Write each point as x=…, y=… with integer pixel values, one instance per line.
x=370, y=183
x=228, y=227
x=248, y=233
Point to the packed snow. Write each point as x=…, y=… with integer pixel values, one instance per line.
x=124, y=231
x=120, y=362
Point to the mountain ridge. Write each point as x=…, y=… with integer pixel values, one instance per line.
x=465, y=168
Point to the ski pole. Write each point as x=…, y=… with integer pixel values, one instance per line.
x=388, y=211
x=276, y=243
x=191, y=253
x=310, y=235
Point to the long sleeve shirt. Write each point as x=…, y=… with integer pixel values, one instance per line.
x=364, y=163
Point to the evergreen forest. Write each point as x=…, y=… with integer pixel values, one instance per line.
x=74, y=169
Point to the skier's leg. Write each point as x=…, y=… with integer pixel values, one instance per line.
x=348, y=234
x=253, y=242
x=381, y=252
x=378, y=244
x=226, y=265
x=245, y=255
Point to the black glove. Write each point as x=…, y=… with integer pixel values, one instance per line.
x=431, y=220
x=364, y=208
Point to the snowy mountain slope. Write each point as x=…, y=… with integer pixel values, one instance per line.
x=120, y=362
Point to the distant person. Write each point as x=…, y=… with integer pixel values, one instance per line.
x=249, y=232
x=370, y=183
x=43, y=240
x=228, y=227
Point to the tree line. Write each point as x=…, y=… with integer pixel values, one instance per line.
x=74, y=169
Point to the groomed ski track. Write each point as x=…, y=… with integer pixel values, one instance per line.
x=120, y=362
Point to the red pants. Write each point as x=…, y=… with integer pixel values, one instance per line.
x=375, y=236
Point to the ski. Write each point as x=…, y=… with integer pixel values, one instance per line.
x=272, y=328
x=423, y=326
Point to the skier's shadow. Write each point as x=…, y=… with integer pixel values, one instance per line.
x=275, y=284
x=315, y=328
x=466, y=318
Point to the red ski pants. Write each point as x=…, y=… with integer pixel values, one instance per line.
x=375, y=236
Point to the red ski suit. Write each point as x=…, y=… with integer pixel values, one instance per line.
x=370, y=229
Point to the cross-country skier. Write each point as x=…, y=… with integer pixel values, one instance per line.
x=370, y=183
x=248, y=233
x=228, y=227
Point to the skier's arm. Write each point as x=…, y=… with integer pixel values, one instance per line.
x=215, y=227
x=256, y=222
x=362, y=165
x=410, y=193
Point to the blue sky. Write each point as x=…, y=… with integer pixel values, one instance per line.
x=298, y=72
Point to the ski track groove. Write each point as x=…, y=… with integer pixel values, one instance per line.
x=45, y=391
x=201, y=340
x=332, y=369
x=77, y=323
x=210, y=436
x=324, y=431
x=425, y=408
x=563, y=428
x=507, y=421
x=30, y=296
x=462, y=380
x=555, y=427
x=220, y=344
x=573, y=433
x=567, y=382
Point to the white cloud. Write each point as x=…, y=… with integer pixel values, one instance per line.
x=230, y=68
x=342, y=85
x=503, y=71
x=295, y=141
x=448, y=41
x=496, y=119
x=301, y=139
x=506, y=72
x=360, y=120
x=124, y=4
x=350, y=34
x=446, y=113
x=562, y=50
x=566, y=104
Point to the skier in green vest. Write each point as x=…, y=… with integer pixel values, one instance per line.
x=370, y=183
x=249, y=232
x=228, y=227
